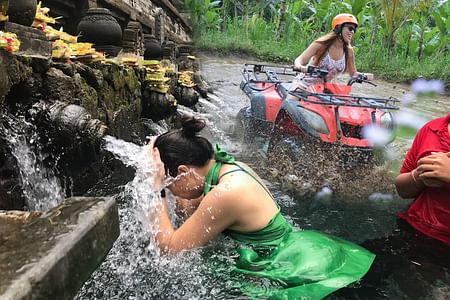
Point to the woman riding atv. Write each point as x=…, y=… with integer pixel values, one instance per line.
x=331, y=52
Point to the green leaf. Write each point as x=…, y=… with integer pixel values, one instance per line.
x=296, y=7
x=357, y=6
x=439, y=22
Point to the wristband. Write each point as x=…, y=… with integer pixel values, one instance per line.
x=413, y=177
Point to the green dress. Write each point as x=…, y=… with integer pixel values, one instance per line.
x=305, y=264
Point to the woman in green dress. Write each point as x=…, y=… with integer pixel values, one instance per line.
x=220, y=195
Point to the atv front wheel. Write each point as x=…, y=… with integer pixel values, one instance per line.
x=242, y=130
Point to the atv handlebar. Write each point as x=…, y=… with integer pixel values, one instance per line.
x=313, y=71
x=360, y=78
x=316, y=72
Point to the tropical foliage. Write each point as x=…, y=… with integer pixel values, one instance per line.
x=405, y=39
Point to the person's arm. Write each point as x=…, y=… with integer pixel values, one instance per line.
x=301, y=62
x=351, y=68
x=212, y=216
x=408, y=184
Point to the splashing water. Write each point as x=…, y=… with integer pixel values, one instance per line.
x=41, y=188
x=135, y=268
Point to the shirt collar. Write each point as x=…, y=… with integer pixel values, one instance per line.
x=436, y=126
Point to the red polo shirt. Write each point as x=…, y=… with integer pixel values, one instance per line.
x=430, y=211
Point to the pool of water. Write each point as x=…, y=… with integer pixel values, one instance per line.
x=408, y=265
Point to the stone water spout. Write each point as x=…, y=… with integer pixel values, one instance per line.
x=73, y=118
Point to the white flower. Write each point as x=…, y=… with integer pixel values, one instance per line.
x=381, y=197
x=409, y=119
x=377, y=136
x=408, y=98
x=324, y=194
x=422, y=86
x=437, y=86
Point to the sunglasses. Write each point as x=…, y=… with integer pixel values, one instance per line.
x=351, y=28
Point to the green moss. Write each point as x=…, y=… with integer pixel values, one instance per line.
x=87, y=95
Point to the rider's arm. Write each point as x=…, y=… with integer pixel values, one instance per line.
x=301, y=62
x=351, y=68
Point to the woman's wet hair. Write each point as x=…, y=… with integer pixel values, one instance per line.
x=184, y=146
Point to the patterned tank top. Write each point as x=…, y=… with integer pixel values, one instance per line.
x=333, y=66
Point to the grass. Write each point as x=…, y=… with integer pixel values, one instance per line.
x=263, y=45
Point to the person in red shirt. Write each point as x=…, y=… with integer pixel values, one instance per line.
x=425, y=176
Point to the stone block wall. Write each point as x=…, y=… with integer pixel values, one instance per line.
x=63, y=101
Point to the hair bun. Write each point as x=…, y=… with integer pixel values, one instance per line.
x=191, y=125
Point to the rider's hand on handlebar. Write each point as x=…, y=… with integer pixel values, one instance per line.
x=360, y=77
x=300, y=68
x=368, y=76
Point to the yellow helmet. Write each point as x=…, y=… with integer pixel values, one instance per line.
x=343, y=18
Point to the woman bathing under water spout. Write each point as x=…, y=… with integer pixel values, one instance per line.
x=228, y=197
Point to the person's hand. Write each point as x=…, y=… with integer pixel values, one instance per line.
x=186, y=207
x=434, y=169
x=157, y=166
x=300, y=68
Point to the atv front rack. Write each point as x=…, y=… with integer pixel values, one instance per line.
x=346, y=100
x=252, y=73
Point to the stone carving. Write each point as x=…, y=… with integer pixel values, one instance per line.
x=133, y=39
x=99, y=27
x=22, y=11
x=153, y=49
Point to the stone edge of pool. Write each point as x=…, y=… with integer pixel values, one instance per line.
x=50, y=255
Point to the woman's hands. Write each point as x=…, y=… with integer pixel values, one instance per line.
x=434, y=169
x=185, y=208
x=157, y=166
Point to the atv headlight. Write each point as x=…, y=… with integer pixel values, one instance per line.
x=387, y=121
x=314, y=120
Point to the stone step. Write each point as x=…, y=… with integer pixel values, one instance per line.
x=50, y=255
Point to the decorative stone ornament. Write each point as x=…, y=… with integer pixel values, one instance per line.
x=99, y=27
x=153, y=49
x=22, y=11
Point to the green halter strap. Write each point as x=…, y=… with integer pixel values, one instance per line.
x=220, y=158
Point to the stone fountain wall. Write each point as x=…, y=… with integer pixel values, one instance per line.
x=72, y=106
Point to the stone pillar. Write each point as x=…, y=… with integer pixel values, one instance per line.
x=160, y=25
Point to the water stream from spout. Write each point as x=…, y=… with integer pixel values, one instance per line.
x=40, y=186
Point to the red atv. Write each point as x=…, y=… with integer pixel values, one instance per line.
x=324, y=118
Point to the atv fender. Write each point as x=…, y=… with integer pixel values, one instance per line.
x=257, y=100
x=289, y=109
